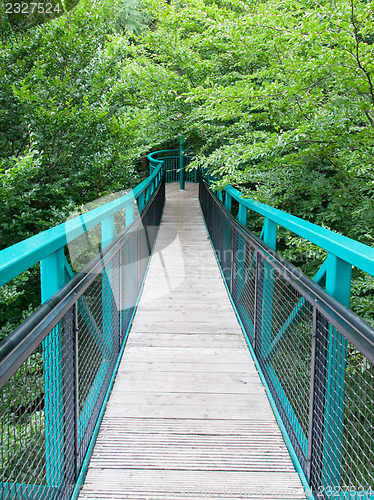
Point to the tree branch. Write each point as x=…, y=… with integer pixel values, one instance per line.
x=357, y=54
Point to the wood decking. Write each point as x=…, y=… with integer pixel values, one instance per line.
x=188, y=416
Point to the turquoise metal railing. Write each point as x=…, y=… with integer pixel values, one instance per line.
x=334, y=363
x=175, y=161
x=79, y=329
x=342, y=252
x=258, y=307
x=336, y=272
x=47, y=247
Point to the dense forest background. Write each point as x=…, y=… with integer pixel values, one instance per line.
x=276, y=97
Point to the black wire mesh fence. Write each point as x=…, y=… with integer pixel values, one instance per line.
x=316, y=356
x=55, y=369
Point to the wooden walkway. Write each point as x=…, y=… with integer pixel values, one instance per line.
x=188, y=416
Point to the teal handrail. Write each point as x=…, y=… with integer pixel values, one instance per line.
x=18, y=258
x=175, y=162
x=303, y=339
x=48, y=249
x=343, y=253
x=154, y=159
x=351, y=251
x=336, y=271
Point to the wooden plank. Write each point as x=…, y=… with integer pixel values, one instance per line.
x=191, y=309
x=196, y=354
x=193, y=316
x=188, y=416
x=188, y=325
x=259, y=411
x=153, y=297
x=195, y=484
x=234, y=383
x=181, y=340
x=180, y=398
x=170, y=367
x=201, y=427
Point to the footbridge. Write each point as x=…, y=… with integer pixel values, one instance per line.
x=187, y=358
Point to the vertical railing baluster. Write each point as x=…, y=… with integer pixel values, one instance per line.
x=120, y=305
x=270, y=238
x=233, y=237
x=338, y=284
x=52, y=277
x=317, y=400
x=259, y=283
x=76, y=386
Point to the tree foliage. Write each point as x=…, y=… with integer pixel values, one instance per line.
x=67, y=125
x=274, y=97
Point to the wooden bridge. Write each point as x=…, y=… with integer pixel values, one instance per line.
x=187, y=359
x=188, y=416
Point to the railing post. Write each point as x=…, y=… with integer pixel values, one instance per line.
x=52, y=275
x=338, y=284
x=76, y=387
x=338, y=279
x=141, y=201
x=270, y=233
x=259, y=287
x=241, y=255
x=242, y=214
x=108, y=233
x=317, y=400
x=233, y=239
x=228, y=201
x=120, y=297
x=149, y=191
x=130, y=213
x=128, y=285
x=182, y=170
x=270, y=239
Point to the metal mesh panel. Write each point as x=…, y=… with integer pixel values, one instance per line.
x=34, y=431
x=307, y=346
x=243, y=281
x=343, y=439
x=129, y=282
x=358, y=422
x=53, y=383
x=98, y=348
x=284, y=345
